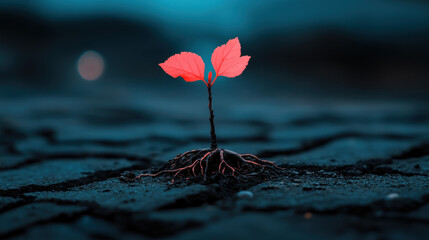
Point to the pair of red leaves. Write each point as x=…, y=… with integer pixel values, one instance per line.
x=226, y=59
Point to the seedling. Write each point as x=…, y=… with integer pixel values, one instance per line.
x=210, y=162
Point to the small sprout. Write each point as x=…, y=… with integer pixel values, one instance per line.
x=211, y=162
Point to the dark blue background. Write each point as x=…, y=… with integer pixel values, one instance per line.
x=308, y=48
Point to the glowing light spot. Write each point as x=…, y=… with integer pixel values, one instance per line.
x=90, y=65
x=308, y=215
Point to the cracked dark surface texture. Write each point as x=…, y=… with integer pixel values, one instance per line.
x=353, y=170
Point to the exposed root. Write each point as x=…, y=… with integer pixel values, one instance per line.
x=205, y=164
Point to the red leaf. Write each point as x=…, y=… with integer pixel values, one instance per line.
x=187, y=65
x=226, y=59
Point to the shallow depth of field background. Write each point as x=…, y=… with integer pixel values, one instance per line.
x=306, y=50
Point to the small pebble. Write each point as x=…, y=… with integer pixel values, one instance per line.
x=296, y=180
x=392, y=196
x=245, y=194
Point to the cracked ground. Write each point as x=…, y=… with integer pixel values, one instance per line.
x=353, y=170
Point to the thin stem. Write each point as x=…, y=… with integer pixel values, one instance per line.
x=211, y=84
x=207, y=84
x=212, y=126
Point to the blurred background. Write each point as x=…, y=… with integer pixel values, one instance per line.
x=306, y=49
